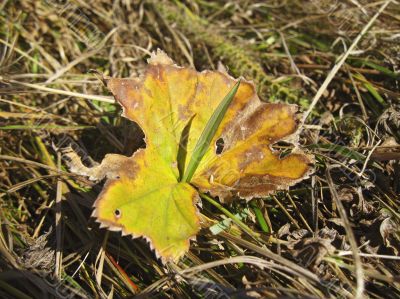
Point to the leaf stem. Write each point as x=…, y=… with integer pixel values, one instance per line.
x=232, y=216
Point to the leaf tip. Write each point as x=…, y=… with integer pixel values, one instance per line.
x=159, y=57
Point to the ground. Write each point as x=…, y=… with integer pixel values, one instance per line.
x=334, y=235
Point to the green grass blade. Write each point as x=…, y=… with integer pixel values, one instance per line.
x=208, y=133
x=182, y=151
x=374, y=93
x=358, y=62
x=260, y=217
x=339, y=150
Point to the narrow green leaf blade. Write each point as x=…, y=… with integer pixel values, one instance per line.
x=182, y=151
x=208, y=133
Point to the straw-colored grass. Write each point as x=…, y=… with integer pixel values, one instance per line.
x=335, y=235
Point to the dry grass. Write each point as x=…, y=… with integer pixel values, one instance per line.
x=335, y=235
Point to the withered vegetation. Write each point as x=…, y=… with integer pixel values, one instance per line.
x=334, y=235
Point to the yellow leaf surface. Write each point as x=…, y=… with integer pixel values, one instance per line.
x=143, y=195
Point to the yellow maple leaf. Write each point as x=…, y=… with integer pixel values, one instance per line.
x=145, y=195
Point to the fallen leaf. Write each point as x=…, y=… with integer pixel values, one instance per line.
x=309, y=250
x=144, y=195
x=388, y=150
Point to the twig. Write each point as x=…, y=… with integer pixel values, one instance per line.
x=63, y=92
x=100, y=260
x=359, y=271
x=57, y=271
